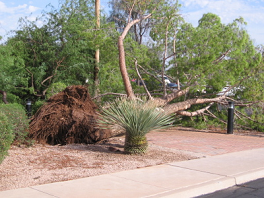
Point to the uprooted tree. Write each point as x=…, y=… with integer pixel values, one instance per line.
x=211, y=63
x=67, y=117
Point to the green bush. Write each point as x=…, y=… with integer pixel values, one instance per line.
x=11, y=98
x=36, y=105
x=256, y=121
x=17, y=119
x=55, y=88
x=6, y=136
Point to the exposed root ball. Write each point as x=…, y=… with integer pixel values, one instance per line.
x=67, y=117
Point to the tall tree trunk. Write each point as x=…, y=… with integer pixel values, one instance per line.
x=97, y=52
x=4, y=96
x=122, y=57
x=123, y=69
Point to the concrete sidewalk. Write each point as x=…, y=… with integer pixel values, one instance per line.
x=180, y=179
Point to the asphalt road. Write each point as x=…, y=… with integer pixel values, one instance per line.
x=253, y=189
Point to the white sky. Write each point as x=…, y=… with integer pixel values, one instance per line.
x=192, y=10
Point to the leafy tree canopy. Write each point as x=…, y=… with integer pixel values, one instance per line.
x=211, y=63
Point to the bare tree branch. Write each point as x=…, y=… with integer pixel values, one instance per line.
x=214, y=116
x=110, y=93
x=170, y=97
x=221, y=57
x=164, y=60
x=245, y=116
x=130, y=11
x=32, y=78
x=175, y=107
x=174, y=52
x=170, y=56
x=143, y=82
x=58, y=65
x=195, y=113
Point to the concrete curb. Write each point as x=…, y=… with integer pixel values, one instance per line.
x=199, y=189
x=211, y=186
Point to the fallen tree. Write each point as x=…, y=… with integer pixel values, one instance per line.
x=68, y=117
x=212, y=64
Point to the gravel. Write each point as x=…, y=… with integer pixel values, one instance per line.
x=42, y=164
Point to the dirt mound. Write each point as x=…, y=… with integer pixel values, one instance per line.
x=67, y=117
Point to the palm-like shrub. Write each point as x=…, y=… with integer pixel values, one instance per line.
x=136, y=118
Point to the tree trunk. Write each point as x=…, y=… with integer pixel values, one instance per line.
x=170, y=97
x=4, y=96
x=180, y=106
x=135, y=144
x=97, y=52
x=122, y=57
x=123, y=70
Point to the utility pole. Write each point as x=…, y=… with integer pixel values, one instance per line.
x=97, y=52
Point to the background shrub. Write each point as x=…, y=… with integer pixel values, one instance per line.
x=17, y=119
x=36, y=105
x=6, y=136
x=55, y=88
x=11, y=98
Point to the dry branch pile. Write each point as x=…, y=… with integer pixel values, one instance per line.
x=67, y=117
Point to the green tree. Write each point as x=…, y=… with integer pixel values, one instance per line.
x=144, y=10
x=51, y=50
x=11, y=74
x=65, y=44
x=120, y=14
x=213, y=56
x=204, y=59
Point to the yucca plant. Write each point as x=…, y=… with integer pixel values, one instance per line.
x=136, y=118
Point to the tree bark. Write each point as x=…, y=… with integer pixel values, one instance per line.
x=4, y=96
x=195, y=113
x=97, y=52
x=123, y=70
x=122, y=57
x=180, y=106
x=143, y=82
x=170, y=97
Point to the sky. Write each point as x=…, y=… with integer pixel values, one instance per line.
x=192, y=10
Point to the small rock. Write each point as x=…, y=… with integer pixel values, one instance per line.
x=113, y=149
